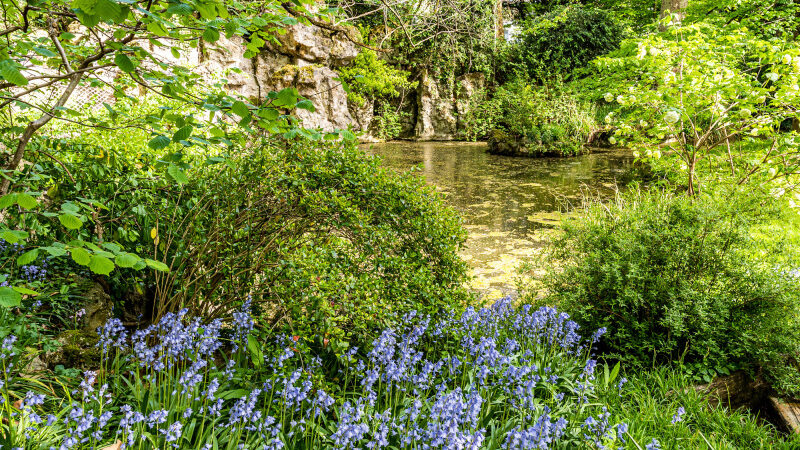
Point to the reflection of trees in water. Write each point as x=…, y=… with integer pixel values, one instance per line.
x=500, y=193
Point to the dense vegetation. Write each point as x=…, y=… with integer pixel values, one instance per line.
x=184, y=267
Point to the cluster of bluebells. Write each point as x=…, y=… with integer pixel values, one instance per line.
x=516, y=378
x=32, y=272
x=6, y=246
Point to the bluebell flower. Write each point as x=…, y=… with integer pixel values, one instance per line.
x=678, y=416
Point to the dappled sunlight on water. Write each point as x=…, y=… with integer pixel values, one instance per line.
x=509, y=205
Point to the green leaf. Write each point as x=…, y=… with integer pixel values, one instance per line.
x=80, y=256
x=101, y=265
x=268, y=113
x=157, y=265
x=28, y=257
x=9, y=70
x=614, y=373
x=25, y=291
x=240, y=109
x=112, y=247
x=347, y=135
x=256, y=355
x=286, y=97
x=127, y=260
x=13, y=236
x=44, y=52
x=181, y=9
x=70, y=221
x=124, y=63
x=182, y=134
x=177, y=174
x=307, y=105
x=26, y=201
x=211, y=34
x=7, y=200
x=9, y=297
x=107, y=10
x=157, y=29
x=158, y=142
x=54, y=251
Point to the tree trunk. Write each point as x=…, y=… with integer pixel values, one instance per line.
x=675, y=7
x=499, y=29
x=32, y=128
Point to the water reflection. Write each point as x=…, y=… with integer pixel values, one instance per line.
x=507, y=203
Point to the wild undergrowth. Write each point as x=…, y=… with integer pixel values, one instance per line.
x=490, y=378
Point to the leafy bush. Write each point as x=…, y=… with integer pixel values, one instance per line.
x=370, y=78
x=322, y=237
x=388, y=121
x=559, y=42
x=478, y=115
x=545, y=120
x=677, y=279
x=499, y=376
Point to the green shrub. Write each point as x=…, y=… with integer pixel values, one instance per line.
x=388, y=121
x=324, y=239
x=478, y=115
x=678, y=279
x=551, y=119
x=563, y=40
x=370, y=78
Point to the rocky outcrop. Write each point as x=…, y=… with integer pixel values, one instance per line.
x=440, y=104
x=306, y=58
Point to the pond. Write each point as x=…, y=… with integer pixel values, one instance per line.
x=509, y=205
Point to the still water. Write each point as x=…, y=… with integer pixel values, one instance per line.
x=508, y=204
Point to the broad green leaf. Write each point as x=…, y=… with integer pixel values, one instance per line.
x=54, y=251
x=28, y=257
x=256, y=355
x=124, y=62
x=177, y=174
x=9, y=70
x=307, y=105
x=347, y=135
x=286, y=97
x=157, y=265
x=80, y=256
x=181, y=9
x=101, y=265
x=182, y=134
x=158, y=142
x=25, y=291
x=269, y=113
x=26, y=201
x=9, y=297
x=44, y=52
x=211, y=34
x=13, y=236
x=112, y=247
x=127, y=260
x=240, y=109
x=70, y=221
x=157, y=29
x=7, y=200
x=107, y=10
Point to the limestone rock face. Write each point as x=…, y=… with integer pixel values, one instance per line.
x=436, y=112
x=305, y=58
